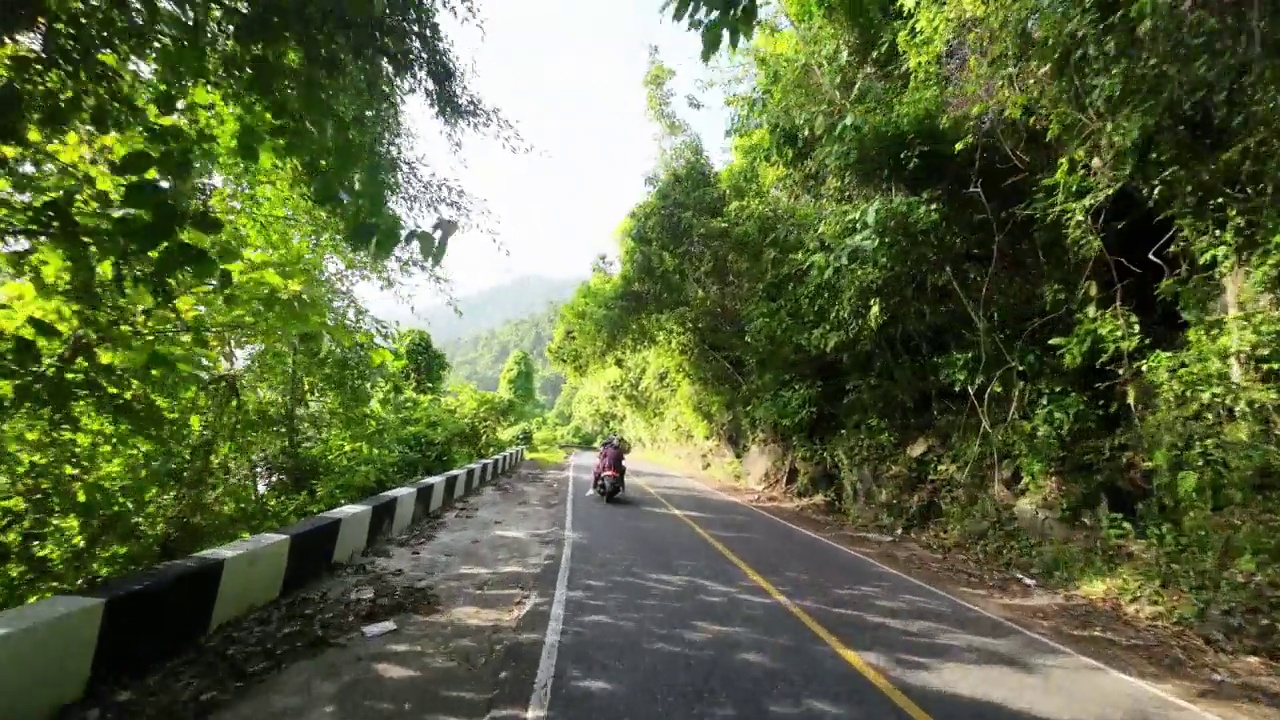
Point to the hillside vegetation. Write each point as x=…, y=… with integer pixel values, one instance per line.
x=189, y=194
x=479, y=359
x=998, y=271
x=494, y=307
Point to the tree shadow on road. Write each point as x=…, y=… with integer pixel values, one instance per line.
x=674, y=631
x=667, y=646
x=741, y=654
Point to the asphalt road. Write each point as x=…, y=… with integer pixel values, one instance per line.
x=678, y=602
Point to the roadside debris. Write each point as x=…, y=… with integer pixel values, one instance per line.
x=248, y=649
x=378, y=629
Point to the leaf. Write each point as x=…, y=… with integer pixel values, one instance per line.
x=248, y=143
x=166, y=101
x=325, y=189
x=386, y=242
x=180, y=255
x=426, y=243
x=25, y=351
x=12, y=117
x=200, y=95
x=137, y=162
x=362, y=235
x=442, y=246
x=162, y=226
x=177, y=163
x=270, y=277
x=712, y=37
x=207, y=223
x=44, y=328
x=380, y=356
x=158, y=359
x=144, y=194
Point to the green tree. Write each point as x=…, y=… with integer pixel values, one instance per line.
x=138, y=150
x=969, y=260
x=423, y=365
x=186, y=214
x=518, y=381
x=479, y=358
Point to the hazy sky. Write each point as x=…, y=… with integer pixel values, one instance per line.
x=568, y=73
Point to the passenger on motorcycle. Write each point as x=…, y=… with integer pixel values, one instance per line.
x=610, y=459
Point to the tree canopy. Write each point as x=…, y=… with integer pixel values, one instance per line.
x=971, y=261
x=189, y=194
x=518, y=379
x=423, y=365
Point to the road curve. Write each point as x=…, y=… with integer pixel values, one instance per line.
x=678, y=602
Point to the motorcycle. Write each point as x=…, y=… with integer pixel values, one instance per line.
x=609, y=486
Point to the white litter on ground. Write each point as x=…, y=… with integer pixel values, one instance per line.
x=378, y=629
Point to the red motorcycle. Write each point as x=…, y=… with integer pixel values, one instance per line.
x=609, y=485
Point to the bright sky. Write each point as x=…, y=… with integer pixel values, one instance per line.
x=568, y=73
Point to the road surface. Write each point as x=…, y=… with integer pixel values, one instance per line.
x=678, y=602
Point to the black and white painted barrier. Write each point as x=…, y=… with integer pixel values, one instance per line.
x=51, y=650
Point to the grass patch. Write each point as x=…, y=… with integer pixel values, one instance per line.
x=547, y=456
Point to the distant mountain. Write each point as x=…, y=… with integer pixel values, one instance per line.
x=490, y=309
x=478, y=359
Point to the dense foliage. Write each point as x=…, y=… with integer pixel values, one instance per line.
x=189, y=193
x=1001, y=270
x=517, y=380
x=424, y=367
x=478, y=359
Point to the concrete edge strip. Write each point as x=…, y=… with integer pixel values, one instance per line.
x=52, y=649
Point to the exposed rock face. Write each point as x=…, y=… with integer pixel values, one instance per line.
x=1040, y=522
x=764, y=464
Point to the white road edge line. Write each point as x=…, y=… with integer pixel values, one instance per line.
x=541, y=697
x=1051, y=643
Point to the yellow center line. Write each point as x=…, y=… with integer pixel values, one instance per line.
x=849, y=656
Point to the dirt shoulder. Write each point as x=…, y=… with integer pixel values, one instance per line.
x=461, y=588
x=1171, y=658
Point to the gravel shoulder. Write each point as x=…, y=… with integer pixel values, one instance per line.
x=461, y=589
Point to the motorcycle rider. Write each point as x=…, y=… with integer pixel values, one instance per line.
x=610, y=458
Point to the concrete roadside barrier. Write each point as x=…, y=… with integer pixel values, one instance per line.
x=52, y=649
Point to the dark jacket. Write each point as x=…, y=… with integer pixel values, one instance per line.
x=610, y=459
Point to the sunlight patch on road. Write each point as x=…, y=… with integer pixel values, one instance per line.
x=394, y=672
x=593, y=685
x=849, y=656
x=758, y=658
